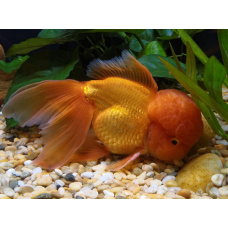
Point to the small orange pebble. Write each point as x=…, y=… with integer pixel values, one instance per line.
x=222, y=160
x=220, y=146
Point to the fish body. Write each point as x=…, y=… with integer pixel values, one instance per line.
x=120, y=118
x=122, y=106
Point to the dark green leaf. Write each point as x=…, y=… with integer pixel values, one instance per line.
x=197, y=51
x=153, y=47
x=165, y=32
x=63, y=34
x=156, y=67
x=146, y=37
x=15, y=64
x=214, y=76
x=44, y=65
x=10, y=123
x=193, y=31
x=133, y=31
x=30, y=45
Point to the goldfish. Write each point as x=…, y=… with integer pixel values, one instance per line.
x=120, y=111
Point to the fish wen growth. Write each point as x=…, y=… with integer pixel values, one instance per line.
x=121, y=112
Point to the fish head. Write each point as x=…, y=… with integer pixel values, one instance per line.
x=176, y=125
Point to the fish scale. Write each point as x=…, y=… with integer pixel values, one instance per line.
x=120, y=119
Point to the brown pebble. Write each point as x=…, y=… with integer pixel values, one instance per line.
x=220, y=146
x=159, y=177
x=185, y=193
x=2, y=170
x=224, y=153
x=33, y=155
x=18, y=168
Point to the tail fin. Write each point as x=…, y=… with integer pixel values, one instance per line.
x=61, y=110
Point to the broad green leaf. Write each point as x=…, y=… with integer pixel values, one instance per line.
x=197, y=51
x=156, y=67
x=176, y=60
x=195, y=90
x=214, y=76
x=13, y=65
x=146, y=37
x=30, y=45
x=153, y=47
x=10, y=123
x=64, y=34
x=165, y=32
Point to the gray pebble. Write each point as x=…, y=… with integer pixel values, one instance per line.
x=2, y=146
x=24, y=175
x=13, y=184
x=120, y=197
x=69, y=177
x=44, y=196
x=172, y=174
x=79, y=197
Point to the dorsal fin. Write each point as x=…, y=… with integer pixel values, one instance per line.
x=124, y=67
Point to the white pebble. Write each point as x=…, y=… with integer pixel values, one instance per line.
x=20, y=183
x=168, y=178
x=106, y=176
x=152, y=189
x=92, y=194
x=223, y=191
x=28, y=162
x=37, y=170
x=157, y=182
x=85, y=189
x=224, y=142
x=87, y=175
x=9, y=192
x=59, y=182
x=144, y=197
x=225, y=127
x=217, y=179
x=9, y=171
x=215, y=191
x=161, y=190
x=170, y=194
x=61, y=191
x=218, y=137
x=59, y=172
x=108, y=193
x=174, y=189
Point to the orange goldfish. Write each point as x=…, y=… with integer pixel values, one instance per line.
x=122, y=107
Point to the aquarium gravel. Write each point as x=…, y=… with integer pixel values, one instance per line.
x=146, y=178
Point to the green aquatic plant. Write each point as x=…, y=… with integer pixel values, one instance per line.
x=214, y=77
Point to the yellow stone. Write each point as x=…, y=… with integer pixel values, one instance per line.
x=197, y=172
x=154, y=196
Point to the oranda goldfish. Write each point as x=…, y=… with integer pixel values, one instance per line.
x=121, y=112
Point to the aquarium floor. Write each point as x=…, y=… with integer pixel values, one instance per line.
x=146, y=178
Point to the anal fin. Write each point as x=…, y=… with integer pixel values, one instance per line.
x=120, y=164
x=91, y=149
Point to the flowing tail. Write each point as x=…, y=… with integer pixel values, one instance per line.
x=63, y=113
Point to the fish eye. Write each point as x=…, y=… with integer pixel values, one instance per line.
x=175, y=142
